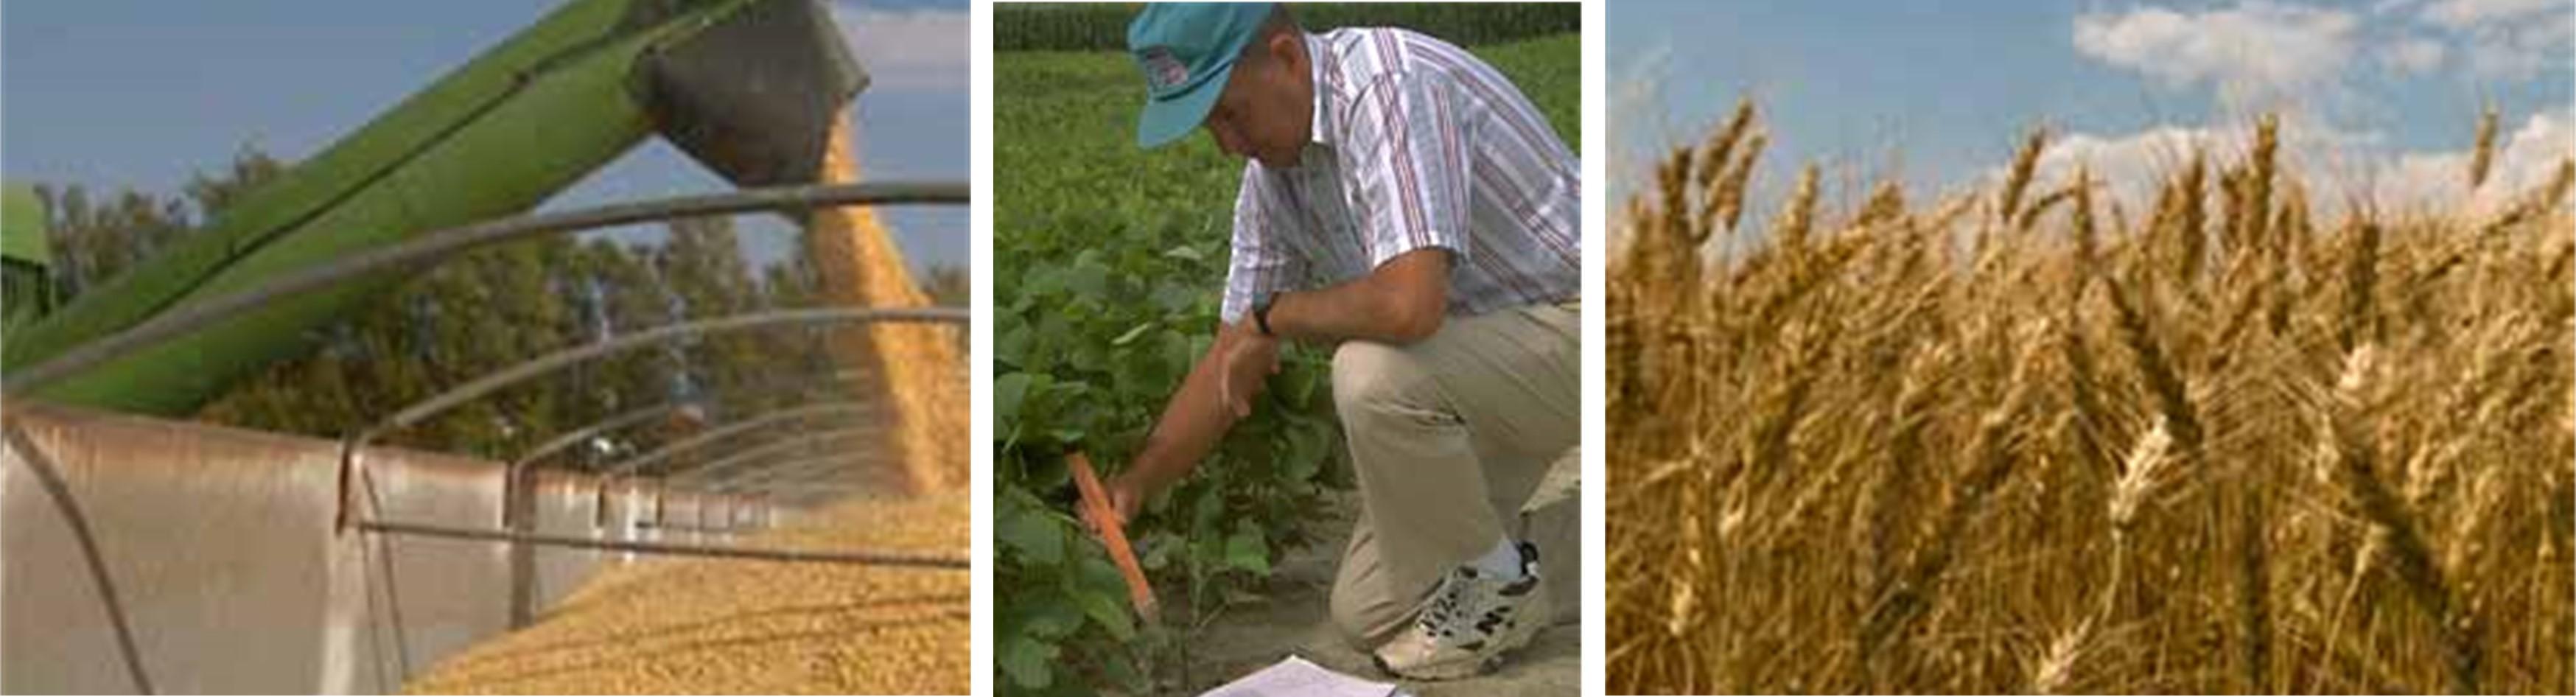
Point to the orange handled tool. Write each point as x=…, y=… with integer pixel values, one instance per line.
x=1104, y=519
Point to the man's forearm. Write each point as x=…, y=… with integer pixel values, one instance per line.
x=1402, y=302
x=1191, y=425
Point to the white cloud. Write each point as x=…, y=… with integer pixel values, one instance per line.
x=2507, y=39
x=2525, y=159
x=908, y=49
x=2414, y=55
x=2337, y=165
x=2260, y=53
x=2255, y=52
x=2130, y=163
x=2520, y=50
x=2134, y=164
x=2265, y=56
x=2469, y=13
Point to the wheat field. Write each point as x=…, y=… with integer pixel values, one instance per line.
x=2018, y=439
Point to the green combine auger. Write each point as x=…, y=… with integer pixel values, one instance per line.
x=749, y=88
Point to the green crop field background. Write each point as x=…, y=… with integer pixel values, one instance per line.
x=1103, y=26
x=1109, y=263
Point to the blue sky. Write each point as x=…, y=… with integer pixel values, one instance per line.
x=139, y=94
x=2379, y=95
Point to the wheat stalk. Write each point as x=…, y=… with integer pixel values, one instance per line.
x=1892, y=443
x=2482, y=155
x=2348, y=459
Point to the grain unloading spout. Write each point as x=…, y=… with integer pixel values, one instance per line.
x=754, y=95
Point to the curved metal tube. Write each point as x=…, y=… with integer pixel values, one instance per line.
x=350, y=445
x=50, y=478
x=515, y=488
x=780, y=445
x=623, y=467
x=644, y=414
x=773, y=474
x=551, y=362
x=924, y=561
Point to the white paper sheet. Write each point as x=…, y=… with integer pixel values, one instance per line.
x=1296, y=677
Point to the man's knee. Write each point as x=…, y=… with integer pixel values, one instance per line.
x=1368, y=374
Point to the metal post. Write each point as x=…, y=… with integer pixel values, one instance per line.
x=520, y=498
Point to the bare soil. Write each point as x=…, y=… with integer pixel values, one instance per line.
x=1292, y=617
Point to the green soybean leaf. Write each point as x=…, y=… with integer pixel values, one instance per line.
x=1026, y=662
x=1038, y=538
x=1246, y=550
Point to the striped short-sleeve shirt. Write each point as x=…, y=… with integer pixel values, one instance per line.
x=1416, y=145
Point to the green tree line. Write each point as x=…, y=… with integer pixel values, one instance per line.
x=494, y=308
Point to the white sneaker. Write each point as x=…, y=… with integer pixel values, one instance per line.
x=1473, y=618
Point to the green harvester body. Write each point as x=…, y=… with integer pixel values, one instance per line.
x=749, y=88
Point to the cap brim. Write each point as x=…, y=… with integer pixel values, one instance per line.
x=1167, y=120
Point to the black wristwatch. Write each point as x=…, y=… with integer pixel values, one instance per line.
x=1261, y=314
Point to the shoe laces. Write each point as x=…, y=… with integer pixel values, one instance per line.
x=1447, y=603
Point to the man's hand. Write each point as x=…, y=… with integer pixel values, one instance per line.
x=1126, y=498
x=1124, y=495
x=1218, y=391
x=1248, y=360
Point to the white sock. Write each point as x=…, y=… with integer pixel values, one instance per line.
x=1503, y=562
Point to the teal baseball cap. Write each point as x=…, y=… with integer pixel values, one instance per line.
x=1186, y=50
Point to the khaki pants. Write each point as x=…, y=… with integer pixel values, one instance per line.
x=1449, y=436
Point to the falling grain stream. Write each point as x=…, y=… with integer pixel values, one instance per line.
x=719, y=626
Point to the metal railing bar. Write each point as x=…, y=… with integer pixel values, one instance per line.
x=896, y=559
